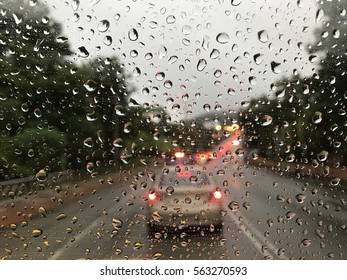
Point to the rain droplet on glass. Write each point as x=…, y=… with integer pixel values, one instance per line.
x=263, y=36
x=222, y=38
x=103, y=25
x=133, y=34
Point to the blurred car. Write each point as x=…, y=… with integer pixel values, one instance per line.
x=181, y=158
x=184, y=198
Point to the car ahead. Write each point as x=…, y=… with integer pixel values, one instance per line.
x=184, y=198
x=182, y=158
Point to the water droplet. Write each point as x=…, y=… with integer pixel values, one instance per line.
x=94, y=2
x=275, y=67
x=138, y=245
x=246, y=205
x=13, y=226
x=119, y=110
x=258, y=58
x=156, y=216
x=319, y=234
x=83, y=52
x=74, y=219
x=25, y=107
x=75, y=4
x=88, y=142
x=43, y=212
x=103, y=25
x=37, y=113
x=322, y=156
x=240, y=152
x=162, y=51
x=290, y=158
x=335, y=182
x=235, y=2
x=108, y=40
x=153, y=24
x=134, y=53
x=41, y=175
x=207, y=107
x=234, y=205
x=148, y=56
x=151, y=175
x=137, y=72
x=270, y=222
x=168, y=84
x=127, y=127
x=175, y=107
x=317, y=118
x=306, y=242
x=214, y=54
x=76, y=17
x=252, y=80
x=300, y=198
x=281, y=252
x=201, y=64
x=255, y=156
x=33, y=3
x=160, y=76
x=117, y=223
x=90, y=85
x=17, y=19
x=290, y=215
x=36, y=232
x=170, y=190
x=266, y=120
x=171, y=19
x=263, y=36
x=222, y=38
x=90, y=167
x=133, y=34
x=188, y=200
x=92, y=116
x=61, y=216
x=61, y=39
x=319, y=15
x=186, y=29
x=156, y=256
x=173, y=59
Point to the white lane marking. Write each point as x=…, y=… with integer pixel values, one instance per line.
x=256, y=237
x=80, y=236
x=76, y=239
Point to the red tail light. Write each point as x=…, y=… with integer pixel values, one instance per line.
x=217, y=195
x=152, y=196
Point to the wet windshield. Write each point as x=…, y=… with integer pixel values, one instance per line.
x=97, y=98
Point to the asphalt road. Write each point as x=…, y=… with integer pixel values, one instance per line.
x=267, y=217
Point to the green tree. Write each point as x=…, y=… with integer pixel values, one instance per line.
x=42, y=93
x=308, y=113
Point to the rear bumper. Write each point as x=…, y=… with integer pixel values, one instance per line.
x=192, y=217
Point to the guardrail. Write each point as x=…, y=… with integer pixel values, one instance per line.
x=28, y=185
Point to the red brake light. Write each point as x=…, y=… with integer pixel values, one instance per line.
x=152, y=196
x=217, y=195
x=179, y=154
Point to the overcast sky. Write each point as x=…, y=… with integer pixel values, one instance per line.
x=242, y=46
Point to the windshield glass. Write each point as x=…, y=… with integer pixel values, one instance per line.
x=99, y=98
x=185, y=179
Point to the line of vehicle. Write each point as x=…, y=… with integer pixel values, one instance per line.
x=255, y=236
